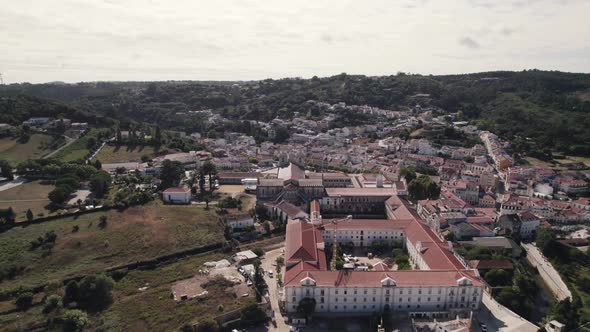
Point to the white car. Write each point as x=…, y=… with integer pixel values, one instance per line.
x=483, y=327
x=270, y=274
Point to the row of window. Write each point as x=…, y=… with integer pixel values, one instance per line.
x=418, y=306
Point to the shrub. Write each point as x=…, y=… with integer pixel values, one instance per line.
x=51, y=303
x=75, y=320
x=24, y=301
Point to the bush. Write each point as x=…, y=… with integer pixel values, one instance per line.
x=258, y=251
x=24, y=301
x=75, y=320
x=51, y=303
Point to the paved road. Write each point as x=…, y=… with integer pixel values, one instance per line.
x=546, y=270
x=14, y=183
x=269, y=259
x=499, y=318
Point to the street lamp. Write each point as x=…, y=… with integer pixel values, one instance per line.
x=334, y=245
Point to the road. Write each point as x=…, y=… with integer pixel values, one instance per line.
x=268, y=260
x=69, y=141
x=14, y=183
x=499, y=318
x=546, y=270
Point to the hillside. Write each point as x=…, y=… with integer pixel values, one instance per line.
x=540, y=111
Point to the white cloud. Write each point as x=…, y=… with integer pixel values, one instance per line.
x=75, y=40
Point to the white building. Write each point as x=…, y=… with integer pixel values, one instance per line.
x=177, y=195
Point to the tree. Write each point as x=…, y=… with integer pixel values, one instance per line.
x=306, y=306
x=259, y=282
x=211, y=171
x=408, y=173
x=119, y=137
x=95, y=292
x=91, y=143
x=7, y=216
x=71, y=292
x=252, y=315
x=281, y=134
x=52, y=302
x=422, y=188
x=171, y=173
x=498, y=277
x=258, y=251
x=30, y=215
x=266, y=226
x=75, y=320
x=158, y=136
x=6, y=170
x=97, y=164
x=207, y=325
x=59, y=194
x=24, y=301
x=202, y=182
x=103, y=222
x=100, y=183
x=544, y=239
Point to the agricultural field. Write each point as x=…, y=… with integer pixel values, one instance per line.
x=30, y=195
x=82, y=246
x=120, y=154
x=36, y=147
x=79, y=149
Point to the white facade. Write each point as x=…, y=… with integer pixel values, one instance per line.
x=176, y=196
x=335, y=299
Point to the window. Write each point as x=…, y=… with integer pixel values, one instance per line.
x=294, y=299
x=322, y=292
x=335, y=307
x=386, y=299
x=336, y=292
x=354, y=299
x=345, y=292
x=420, y=291
x=387, y=292
x=409, y=299
x=307, y=291
x=345, y=299
x=355, y=292
x=354, y=307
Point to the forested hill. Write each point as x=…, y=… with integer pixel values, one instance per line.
x=536, y=109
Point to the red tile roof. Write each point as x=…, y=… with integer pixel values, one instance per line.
x=176, y=190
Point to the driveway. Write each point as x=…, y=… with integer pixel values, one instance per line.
x=14, y=183
x=267, y=261
x=499, y=318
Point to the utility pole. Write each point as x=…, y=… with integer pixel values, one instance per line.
x=334, y=244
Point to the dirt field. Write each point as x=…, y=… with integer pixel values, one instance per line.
x=120, y=154
x=31, y=195
x=135, y=234
x=35, y=148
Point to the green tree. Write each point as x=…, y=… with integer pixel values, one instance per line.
x=211, y=171
x=408, y=173
x=24, y=301
x=30, y=215
x=281, y=135
x=100, y=183
x=103, y=222
x=544, y=239
x=266, y=226
x=52, y=302
x=91, y=143
x=7, y=216
x=158, y=136
x=422, y=188
x=252, y=315
x=97, y=164
x=95, y=292
x=71, y=292
x=497, y=277
x=6, y=170
x=59, y=194
x=259, y=282
x=75, y=320
x=207, y=325
x=171, y=173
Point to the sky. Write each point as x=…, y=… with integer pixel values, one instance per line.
x=124, y=40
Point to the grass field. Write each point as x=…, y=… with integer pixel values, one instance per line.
x=78, y=149
x=569, y=159
x=36, y=147
x=135, y=234
x=152, y=309
x=31, y=195
x=120, y=154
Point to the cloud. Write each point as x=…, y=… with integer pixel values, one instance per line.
x=507, y=31
x=469, y=43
